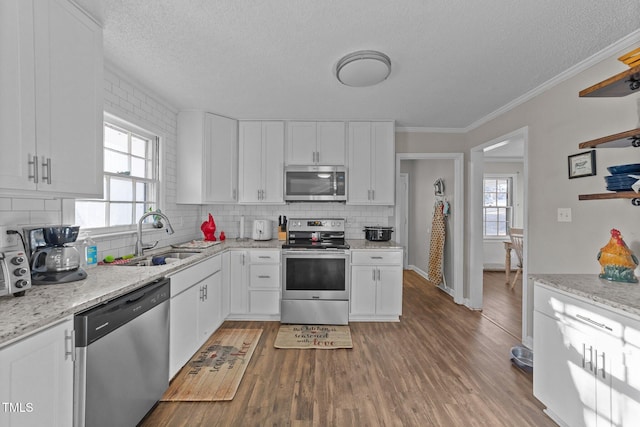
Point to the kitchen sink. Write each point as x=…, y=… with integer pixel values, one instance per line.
x=147, y=260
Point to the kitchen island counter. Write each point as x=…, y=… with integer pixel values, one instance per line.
x=43, y=305
x=621, y=296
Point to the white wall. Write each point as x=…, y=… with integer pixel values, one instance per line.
x=558, y=120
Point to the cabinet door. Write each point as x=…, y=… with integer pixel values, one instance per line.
x=273, y=166
x=559, y=379
x=17, y=102
x=264, y=302
x=359, y=180
x=389, y=290
x=68, y=90
x=301, y=143
x=626, y=395
x=331, y=143
x=226, y=286
x=183, y=330
x=239, y=290
x=37, y=379
x=210, y=306
x=221, y=159
x=250, y=177
x=363, y=290
x=383, y=158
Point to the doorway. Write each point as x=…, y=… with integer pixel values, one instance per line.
x=454, y=267
x=509, y=148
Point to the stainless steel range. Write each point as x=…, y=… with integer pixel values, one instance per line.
x=315, y=273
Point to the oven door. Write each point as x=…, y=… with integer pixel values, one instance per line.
x=315, y=274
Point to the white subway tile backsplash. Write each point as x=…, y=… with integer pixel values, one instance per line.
x=5, y=204
x=28, y=204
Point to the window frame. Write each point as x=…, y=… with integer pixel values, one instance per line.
x=510, y=207
x=156, y=181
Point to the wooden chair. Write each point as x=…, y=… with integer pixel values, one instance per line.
x=517, y=238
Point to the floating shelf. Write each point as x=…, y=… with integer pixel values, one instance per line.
x=630, y=138
x=635, y=197
x=622, y=84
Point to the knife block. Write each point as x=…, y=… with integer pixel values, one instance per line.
x=282, y=235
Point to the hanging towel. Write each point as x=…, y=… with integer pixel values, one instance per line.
x=436, y=250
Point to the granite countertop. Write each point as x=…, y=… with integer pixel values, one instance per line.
x=43, y=305
x=622, y=296
x=366, y=244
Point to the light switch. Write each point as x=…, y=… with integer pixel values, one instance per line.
x=564, y=214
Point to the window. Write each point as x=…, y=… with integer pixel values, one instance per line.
x=131, y=182
x=497, y=205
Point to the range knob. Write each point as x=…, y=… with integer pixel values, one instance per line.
x=18, y=260
x=21, y=283
x=20, y=271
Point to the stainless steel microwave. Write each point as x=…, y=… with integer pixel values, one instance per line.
x=315, y=183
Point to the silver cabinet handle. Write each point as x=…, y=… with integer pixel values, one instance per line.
x=376, y=257
x=373, y=274
x=34, y=163
x=373, y=194
x=264, y=277
x=584, y=349
x=264, y=257
x=378, y=274
x=46, y=165
x=602, y=367
x=70, y=338
x=590, y=362
x=593, y=322
x=234, y=194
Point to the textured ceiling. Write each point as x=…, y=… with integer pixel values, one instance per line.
x=453, y=61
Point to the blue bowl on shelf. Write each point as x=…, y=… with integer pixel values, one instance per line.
x=632, y=168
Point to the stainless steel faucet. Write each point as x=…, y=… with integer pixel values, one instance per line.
x=140, y=247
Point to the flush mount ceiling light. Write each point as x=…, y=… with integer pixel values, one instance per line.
x=363, y=68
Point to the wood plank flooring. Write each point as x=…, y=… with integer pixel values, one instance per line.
x=442, y=365
x=501, y=304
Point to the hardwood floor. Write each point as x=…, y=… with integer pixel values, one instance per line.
x=501, y=304
x=441, y=365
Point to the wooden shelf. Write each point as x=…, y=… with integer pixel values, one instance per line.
x=622, y=84
x=630, y=138
x=611, y=195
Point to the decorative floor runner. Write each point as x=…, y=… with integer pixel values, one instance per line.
x=215, y=371
x=314, y=336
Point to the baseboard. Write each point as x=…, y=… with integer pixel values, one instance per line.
x=441, y=286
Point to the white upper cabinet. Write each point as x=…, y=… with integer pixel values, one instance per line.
x=51, y=110
x=207, y=158
x=371, y=171
x=261, y=177
x=316, y=143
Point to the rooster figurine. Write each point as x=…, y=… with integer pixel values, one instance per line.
x=617, y=261
x=209, y=229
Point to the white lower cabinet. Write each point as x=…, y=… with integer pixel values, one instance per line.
x=196, y=309
x=36, y=379
x=255, y=284
x=376, y=285
x=586, y=361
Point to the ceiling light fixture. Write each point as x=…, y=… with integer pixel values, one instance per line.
x=363, y=68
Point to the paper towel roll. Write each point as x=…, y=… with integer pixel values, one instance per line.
x=241, y=227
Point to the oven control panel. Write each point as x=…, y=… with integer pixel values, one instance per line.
x=332, y=224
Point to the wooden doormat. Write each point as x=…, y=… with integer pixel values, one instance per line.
x=314, y=336
x=215, y=371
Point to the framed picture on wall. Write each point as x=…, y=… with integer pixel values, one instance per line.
x=582, y=164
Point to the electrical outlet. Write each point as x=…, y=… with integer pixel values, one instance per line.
x=564, y=214
x=7, y=240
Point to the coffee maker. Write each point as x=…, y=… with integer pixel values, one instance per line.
x=53, y=259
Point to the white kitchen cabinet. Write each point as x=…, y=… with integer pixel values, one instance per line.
x=261, y=174
x=584, y=359
x=196, y=309
x=376, y=285
x=371, y=178
x=255, y=284
x=51, y=108
x=207, y=165
x=37, y=378
x=316, y=143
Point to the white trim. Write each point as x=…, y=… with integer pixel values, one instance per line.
x=476, y=262
x=458, y=222
x=418, y=129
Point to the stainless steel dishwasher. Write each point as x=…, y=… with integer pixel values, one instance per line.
x=122, y=357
